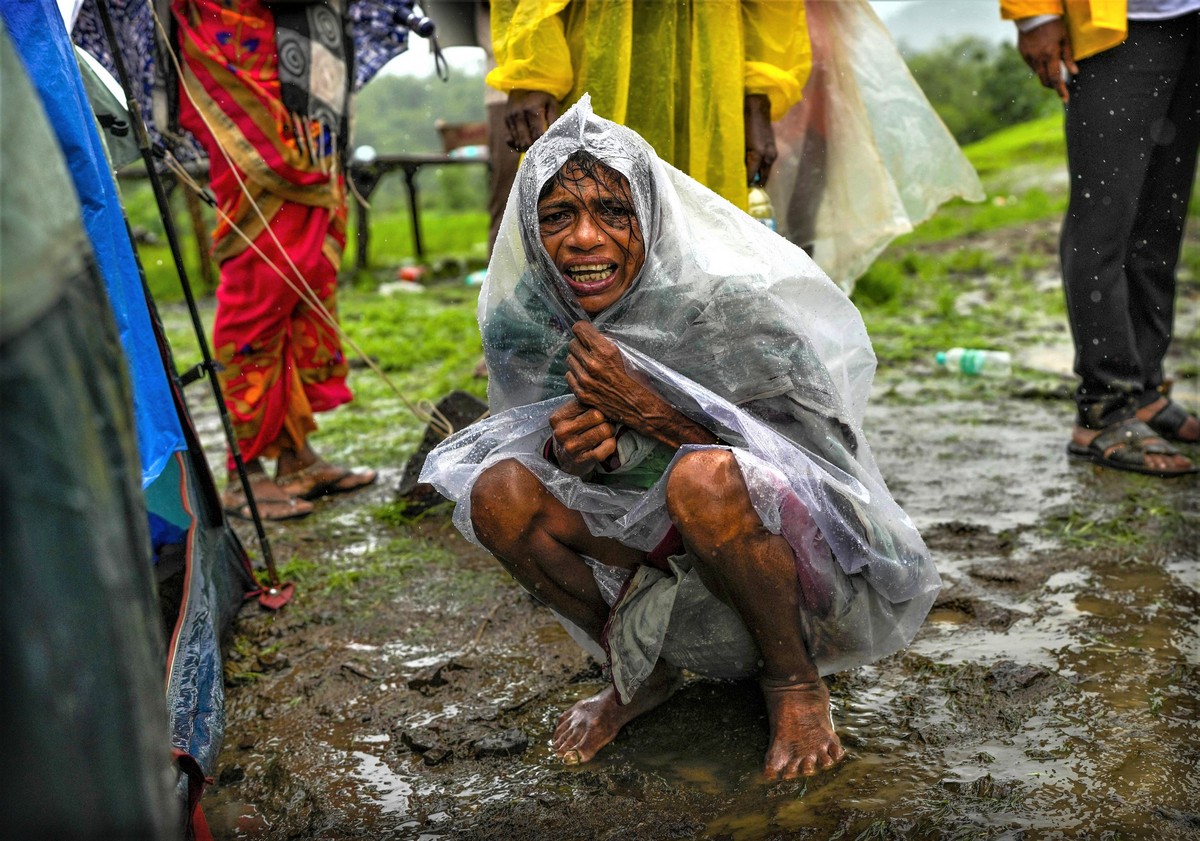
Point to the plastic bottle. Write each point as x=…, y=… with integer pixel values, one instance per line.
x=761, y=207
x=975, y=363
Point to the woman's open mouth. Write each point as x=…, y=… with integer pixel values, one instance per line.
x=590, y=278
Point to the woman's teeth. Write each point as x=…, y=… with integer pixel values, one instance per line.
x=590, y=274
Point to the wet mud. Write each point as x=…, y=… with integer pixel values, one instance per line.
x=1052, y=692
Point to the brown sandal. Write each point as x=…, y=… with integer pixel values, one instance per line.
x=234, y=501
x=322, y=478
x=1124, y=446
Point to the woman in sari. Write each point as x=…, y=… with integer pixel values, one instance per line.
x=674, y=462
x=269, y=90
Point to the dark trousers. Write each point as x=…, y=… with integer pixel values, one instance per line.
x=504, y=163
x=1132, y=130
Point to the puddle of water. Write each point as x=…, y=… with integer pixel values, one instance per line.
x=391, y=791
x=993, y=473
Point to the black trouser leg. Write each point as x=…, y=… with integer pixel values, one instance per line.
x=1129, y=187
x=1162, y=215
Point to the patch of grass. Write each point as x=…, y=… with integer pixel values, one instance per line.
x=962, y=219
x=1037, y=141
x=1144, y=518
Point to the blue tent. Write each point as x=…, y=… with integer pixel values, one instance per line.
x=91, y=525
x=48, y=55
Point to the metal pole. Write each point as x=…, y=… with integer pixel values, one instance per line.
x=410, y=181
x=164, y=209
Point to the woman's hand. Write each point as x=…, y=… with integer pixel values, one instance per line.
x=583, y=438
x=597, y=376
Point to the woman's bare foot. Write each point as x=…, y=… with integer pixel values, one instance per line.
x=802, y=737
x=593, y=722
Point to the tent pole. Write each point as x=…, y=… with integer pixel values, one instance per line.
x=164, y=209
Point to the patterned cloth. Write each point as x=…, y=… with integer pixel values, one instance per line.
x=375, y=27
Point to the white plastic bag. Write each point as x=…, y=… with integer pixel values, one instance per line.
x=864, y=157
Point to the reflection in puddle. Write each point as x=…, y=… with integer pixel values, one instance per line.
x=392, y=792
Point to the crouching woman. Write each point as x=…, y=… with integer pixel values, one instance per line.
x=674, y=462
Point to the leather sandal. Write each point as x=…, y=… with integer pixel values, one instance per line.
x=234, y=501
x=1169, y=421
x=1124, y=446
x=322, y=478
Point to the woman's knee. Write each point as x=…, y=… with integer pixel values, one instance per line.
x=505, y=502
x=705, y=485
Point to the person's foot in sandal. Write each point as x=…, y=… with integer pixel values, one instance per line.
x=308, y=476
x=1171, y=421
x=272, y=501
x=322, y=478
x=1129, y=445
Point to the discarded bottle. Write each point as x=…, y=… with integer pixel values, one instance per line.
x=975, y=362
x=761, y=207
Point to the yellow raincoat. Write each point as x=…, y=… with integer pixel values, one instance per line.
x=1093, y=25
x=675, y=72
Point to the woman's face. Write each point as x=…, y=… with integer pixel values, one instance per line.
x=591, y=233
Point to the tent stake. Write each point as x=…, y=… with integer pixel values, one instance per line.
x=164, y=209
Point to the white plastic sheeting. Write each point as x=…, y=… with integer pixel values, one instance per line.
x=863, y=158
x=738, y=329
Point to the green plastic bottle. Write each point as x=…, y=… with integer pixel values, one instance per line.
x=975, y=362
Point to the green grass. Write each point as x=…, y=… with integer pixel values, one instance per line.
x=1036, y=142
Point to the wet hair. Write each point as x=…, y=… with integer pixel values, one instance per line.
x=581, y=166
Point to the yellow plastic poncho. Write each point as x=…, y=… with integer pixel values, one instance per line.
x=1093, y=25
x=675, y=72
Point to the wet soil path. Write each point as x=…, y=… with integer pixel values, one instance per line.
x=1053, y=691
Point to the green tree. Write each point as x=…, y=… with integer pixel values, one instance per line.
x=979, y=87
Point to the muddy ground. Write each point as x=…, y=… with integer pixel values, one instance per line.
x=1052, y=693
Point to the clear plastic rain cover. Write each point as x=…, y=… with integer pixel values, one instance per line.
x=740, y=331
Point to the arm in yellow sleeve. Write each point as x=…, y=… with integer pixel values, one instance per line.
x=778, y=56
x=530, y=46
x=1017, y=9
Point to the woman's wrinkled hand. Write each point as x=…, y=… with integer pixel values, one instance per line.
x=596, y=375
x=583, y=438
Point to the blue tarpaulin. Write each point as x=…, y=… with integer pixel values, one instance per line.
x=46, y=51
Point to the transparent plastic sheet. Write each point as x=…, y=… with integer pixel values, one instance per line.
x=738, y=329
x=864, y=157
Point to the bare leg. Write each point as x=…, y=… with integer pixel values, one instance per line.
x=541, y=543
x=754, y=571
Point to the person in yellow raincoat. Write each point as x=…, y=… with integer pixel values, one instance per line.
x=701, y=81
x=1128, y=73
